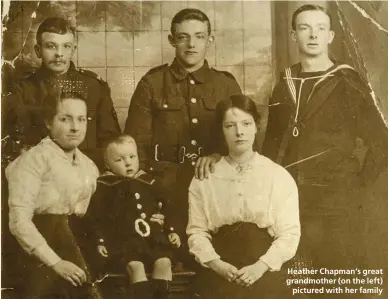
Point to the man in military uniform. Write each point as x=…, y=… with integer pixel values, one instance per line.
x=22, y=114
x=171, y=114
x=23, y=121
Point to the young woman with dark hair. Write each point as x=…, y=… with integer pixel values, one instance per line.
x=244, y=219
x=48, y=184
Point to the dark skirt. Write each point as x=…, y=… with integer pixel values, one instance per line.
x=43, y=281
x=241, y=244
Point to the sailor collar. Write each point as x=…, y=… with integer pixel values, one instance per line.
x=110, y=179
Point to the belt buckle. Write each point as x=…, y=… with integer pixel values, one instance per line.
x=182, y=154
x=156, y=152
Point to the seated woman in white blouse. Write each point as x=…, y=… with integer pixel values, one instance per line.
x=47, y=184
x=244, y=219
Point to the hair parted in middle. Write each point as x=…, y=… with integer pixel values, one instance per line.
x=242, y=102
x=56, y=96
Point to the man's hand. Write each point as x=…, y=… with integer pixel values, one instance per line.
x=158, y=218
x=248, y=275
x=71, y=272
x=205, y=165
x=223, y=269
x=174, y=239
x=102, y=250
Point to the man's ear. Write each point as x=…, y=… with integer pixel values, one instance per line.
x=331, y=36
x=38, y=51
x=293, y=35
x=171, y=40
x=211, y=39
x=74, y=48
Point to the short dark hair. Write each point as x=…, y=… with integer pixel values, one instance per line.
x=309, y=7
x=54, y=25
x=56, y=96
x=190, y=14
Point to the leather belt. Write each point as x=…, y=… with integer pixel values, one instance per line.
x=178, y=154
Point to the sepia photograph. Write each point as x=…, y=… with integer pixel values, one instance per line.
x=194, y=149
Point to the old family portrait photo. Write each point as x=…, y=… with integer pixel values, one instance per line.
x=194, y=149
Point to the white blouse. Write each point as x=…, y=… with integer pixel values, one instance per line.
x=263, y=193
x=44, y=180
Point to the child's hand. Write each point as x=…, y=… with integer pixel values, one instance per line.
x=174, y=239
x=158, y=218
x=102, y=250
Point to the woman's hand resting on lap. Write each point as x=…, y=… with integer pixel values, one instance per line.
x=248, y=275
x=223, y=269
x=71, y=272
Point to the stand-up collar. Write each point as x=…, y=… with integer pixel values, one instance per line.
x=44, y=72
x=56, y=148
x=180, y=73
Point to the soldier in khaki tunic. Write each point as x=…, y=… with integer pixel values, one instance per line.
x=22, y=110
x=171, y=115
x=22, y=107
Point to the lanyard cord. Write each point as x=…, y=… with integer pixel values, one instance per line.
x=296, y=97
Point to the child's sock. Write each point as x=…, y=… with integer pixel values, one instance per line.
x=141, y=290
x=161, y=288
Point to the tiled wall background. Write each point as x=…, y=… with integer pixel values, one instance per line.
x=121, y=40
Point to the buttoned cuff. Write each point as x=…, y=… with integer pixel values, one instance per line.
x=45, y=254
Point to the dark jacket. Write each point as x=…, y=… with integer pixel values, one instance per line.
x=172, y=109
x=318, y=144
x=171, y=117
x=22, y=113
x=119, y=202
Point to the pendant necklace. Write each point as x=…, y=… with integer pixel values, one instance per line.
x=243, y=164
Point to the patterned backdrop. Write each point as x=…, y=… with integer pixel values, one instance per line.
x=121, y=40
